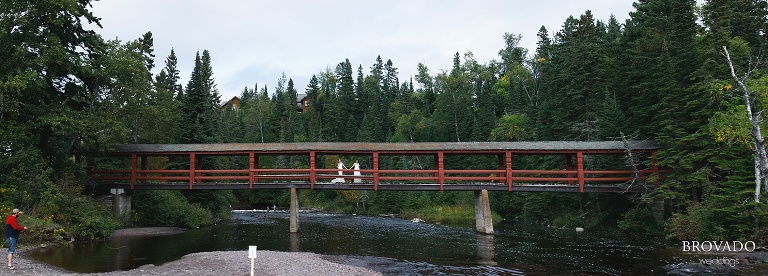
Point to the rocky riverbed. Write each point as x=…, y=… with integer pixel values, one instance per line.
x=209, y=263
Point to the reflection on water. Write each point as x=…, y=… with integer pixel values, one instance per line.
x=392, y=246
x=485, y=249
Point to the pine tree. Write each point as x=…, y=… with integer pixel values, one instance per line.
x=426, y=89
x=574, y=84
x=314, y=112
x=165, y=98
x=200, y=104
x=167, y=80
x=346, y=121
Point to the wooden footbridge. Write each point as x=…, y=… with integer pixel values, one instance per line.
x=607, y=166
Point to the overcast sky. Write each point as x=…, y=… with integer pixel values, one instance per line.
x=254, y=41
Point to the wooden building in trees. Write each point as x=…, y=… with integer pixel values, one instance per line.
x=303, y=103
x=233, y=104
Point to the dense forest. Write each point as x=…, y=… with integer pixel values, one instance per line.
x=664, y=74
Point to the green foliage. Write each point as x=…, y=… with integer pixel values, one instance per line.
x=511, y=127
x=84, y=219
x=688, y=225
x=167, y=208
x=261, y=198
x=216, y=203
x=89, y=221
x=730, y=125
x=200, y=104
x=640, y=222
x=458, y=215
x=63, y=89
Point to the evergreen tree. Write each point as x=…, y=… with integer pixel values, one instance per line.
x=666, y=85
x=329, y=106
x=167, y=80
x=200, y=104
x=166, y=99
x=574, y=81
x=373, y=128
x=346, y=120
x=426, y=89
x=314, y=113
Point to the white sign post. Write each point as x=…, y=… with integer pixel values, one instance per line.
x=252, y=256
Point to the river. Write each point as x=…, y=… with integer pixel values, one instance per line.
x=398, y=247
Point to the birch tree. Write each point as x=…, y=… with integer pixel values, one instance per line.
x=755, y=119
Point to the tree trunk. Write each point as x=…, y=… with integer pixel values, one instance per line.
x=761, y=157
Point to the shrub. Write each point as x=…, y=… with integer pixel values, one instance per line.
x=62, y=206
x=443, y=214
x=686, y=226
x=639, y=221
x=167, y=208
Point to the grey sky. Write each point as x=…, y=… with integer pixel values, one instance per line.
x=256, y=41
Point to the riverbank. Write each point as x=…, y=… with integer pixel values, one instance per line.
x=208, y=263
x=216, y=263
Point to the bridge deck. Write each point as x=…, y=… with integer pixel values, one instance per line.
x=618, y=188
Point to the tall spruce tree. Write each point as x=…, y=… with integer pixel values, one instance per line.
x=200, y=104
x=167, y=80
x=346, y=120
x=165, y=99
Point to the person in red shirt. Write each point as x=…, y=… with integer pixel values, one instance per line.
x=12, y=231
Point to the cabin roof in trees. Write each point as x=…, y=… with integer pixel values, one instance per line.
x=352, y=148
x=234, y=104
x=302, y=102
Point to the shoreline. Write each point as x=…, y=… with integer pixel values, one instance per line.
x=308, y=263
x=208, y=263
x=218, y=263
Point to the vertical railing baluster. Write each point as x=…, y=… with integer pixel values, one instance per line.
x=580, y=170
x=191, y=169
x=375, y=171
x=312, y=170
x=251, y=168
x=441, y=169
x=508, y=161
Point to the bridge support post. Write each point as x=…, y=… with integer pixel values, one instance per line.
x=483, y=218
x=121, y=204
x=294, y=211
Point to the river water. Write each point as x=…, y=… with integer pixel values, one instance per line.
x=394, y=247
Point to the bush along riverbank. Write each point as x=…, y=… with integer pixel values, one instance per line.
x=462, y=215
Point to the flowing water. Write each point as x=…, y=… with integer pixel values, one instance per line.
x=393, y=246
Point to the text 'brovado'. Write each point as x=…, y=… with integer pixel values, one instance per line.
x=718, y=246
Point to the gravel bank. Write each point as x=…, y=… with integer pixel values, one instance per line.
x=215, y=264
x=206, y=263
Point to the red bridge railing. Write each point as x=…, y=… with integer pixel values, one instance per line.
x=505, y=173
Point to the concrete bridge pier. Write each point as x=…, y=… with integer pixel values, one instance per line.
x=121, y=204
x=483, y=218
x=294, y=219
